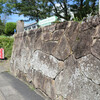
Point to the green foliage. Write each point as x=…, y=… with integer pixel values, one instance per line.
x=57, y=21
x=1, y=5
x=7, y=44
x=76, y=19
x=83, y=7
x=9, y=28
x=40, y=9
x=34, y=9
x=2, y=27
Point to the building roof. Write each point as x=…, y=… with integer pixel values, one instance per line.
x=30, y=25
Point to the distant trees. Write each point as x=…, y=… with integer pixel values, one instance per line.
x=9, y=28
x=2, y=27
x=40, y=9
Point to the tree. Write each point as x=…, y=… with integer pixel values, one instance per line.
x=83, y=7
x=40, y=9
x=59, y=7
x=9, y=28
x=1, y=27
x=2, y=2
x=34, y=9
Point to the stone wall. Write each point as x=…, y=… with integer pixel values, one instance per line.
x=61, y=60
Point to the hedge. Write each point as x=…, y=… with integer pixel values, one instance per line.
x=7, y=44
x=9, y=28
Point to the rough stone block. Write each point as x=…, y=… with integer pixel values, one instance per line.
x=95, y=49
x=83, y=44
x=63, y=49
x=61, y=60
x=50, y=28
x=56, y=35
x=61, y=25
x=90, y=67
x=20, y=26
x=46, y=64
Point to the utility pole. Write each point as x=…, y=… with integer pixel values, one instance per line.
x=99, y=7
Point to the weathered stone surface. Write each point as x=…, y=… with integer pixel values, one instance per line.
x=49, y=47
x=62, y=51
x=71, y=28
x=45, y=64
x=62, y=60
x=83, y=44
x=95, y=20
x=96, y=48
x=73, y=85
x=97, y=33
x=57, y=35
x=46, y=36
x=38, y=34
x=90, y=67
x=63, y=85
x=38, y=44
x=72, y=32
x=20, y=26
x=51, y=28
x=86, y=26
x=45, y=84
x=61, y=25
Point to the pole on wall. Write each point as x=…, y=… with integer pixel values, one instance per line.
x=99, y=7
x=20, y=26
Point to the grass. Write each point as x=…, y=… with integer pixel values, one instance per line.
x=6, y=43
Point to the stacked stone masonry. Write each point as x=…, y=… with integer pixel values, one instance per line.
x=61, y=60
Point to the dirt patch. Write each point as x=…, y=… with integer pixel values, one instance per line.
x=5, y=64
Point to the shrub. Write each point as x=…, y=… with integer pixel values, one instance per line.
x=7, y=44
x=9, y=28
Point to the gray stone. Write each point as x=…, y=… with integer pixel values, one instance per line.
x=95, y=49
x=63, y=50
x=45, y=64
x=46, y=36
x=20, y=26
x=83, y=44
x=1, y=96
x=49, y=47
x=61, y=60
x=44, y=83
x=71, y=84
x=90, y=67
x=57, y=35
x=50, y=28
x=61, y=25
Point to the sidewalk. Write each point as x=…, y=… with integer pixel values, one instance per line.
x=13, y=89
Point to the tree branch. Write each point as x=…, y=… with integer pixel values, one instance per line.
x=65, y=7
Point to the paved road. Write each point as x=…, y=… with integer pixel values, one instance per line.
x=13, y=89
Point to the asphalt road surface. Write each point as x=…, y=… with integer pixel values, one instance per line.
x=13, y=89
